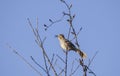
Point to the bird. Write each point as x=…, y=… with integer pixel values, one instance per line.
x=68, y=45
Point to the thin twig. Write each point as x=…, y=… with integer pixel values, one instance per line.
x=90, y=71
x=37, y=64
x=77, y=34
x=92, y=58
x=30, y=65
x=61, y=69
x=39, y=41
x=69, y=32
x=74, y=70
x=53, y=22
x=51, y=61
x=60, y=58
x=70, y=20
x=66, y=60
x=61, y=72
x=40, y=44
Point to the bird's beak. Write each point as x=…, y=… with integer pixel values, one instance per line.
x=56, y=35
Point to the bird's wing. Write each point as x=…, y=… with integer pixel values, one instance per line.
x=70, y=45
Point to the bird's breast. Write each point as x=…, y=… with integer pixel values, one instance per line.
x=63, y=45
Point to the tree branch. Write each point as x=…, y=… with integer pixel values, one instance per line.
x=19, y=55
x=40, y=44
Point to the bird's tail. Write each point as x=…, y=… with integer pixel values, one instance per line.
x=81, y=53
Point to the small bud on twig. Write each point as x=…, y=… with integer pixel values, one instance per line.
x=74, y=16
x=62, y=1
x=50, y=20
x=45, y=25
x=68, y=20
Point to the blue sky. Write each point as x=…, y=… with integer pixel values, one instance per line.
x=99, y=19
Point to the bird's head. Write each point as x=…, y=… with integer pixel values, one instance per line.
x=60, y=36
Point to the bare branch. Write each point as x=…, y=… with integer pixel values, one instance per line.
x=70, y=21
x=30, y=65
x=75, y=70
x=66, y=60
x=52, y=61
x=40, y=44
x=92, y=59
x=69, y=32
x=61, y=72
x=77, y=34
x=38, y=64
x=60, y=58
x=72, y=68
x=53, y=22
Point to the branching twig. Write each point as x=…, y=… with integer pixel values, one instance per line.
x=60, y=58
x=30, y=65
x=70, y=21
x=40, y=44
x=75, y=70
x=51, y=61
x=90, y=61
x=38, y=64
x=77, y=34
x=61, y=72
x=53, y=22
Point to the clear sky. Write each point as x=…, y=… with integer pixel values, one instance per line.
x=100, y=20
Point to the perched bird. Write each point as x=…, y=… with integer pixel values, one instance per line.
x=67, y=45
